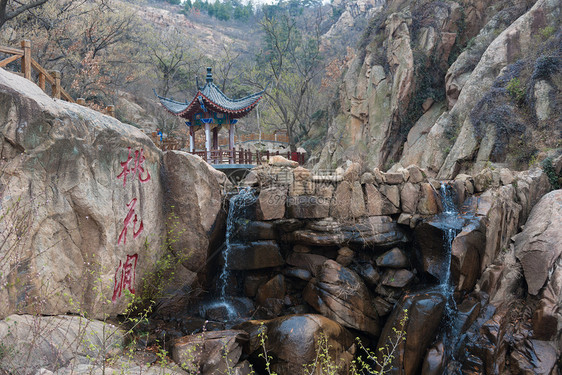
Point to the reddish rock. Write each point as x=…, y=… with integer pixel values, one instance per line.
x=428, y=203
x=424, y=310
x=409, y=197
x=271, y=204
x=539, y=245
x=274, y=288
x=397, y=278
x=377, y=204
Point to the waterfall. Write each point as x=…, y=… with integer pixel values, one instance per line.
x=238, y=205
x=449, y=218
x=451, y=224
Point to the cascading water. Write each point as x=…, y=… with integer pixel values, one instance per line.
x=451, y=224
x=450, y=220
x=238, y=205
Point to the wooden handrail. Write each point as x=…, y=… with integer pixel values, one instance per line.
x=53, y=78
x=11, y=51
x=5, y=62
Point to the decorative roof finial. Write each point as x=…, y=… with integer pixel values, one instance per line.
x=209, y=74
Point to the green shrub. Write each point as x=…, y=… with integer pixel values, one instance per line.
x=515, y=90
x=553, y=178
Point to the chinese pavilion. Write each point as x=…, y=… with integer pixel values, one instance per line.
x=211, y=109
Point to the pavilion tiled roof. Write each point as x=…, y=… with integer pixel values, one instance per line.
x=211, y=97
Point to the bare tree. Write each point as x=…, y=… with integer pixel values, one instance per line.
x=12, y=9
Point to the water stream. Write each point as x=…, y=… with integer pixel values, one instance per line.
x=237, y=211
x=237, y=207
x=451, y=223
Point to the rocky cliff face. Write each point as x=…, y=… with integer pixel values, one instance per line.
x=84, y=217
x=450, y=86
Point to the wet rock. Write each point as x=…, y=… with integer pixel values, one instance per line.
x=424, y=310
x=383, y=307
x=288, y=225
x=340, y=294
x=345, y=256
x=371, y=276
x=539, y=245
x=539, y=357
x=378, y=231
x=210, y=352
x=432, y=251
x=258, y=230
x=256, y=255
x=298, y=273
x=435, y=359
x=308, y=237
x=397, y=278
x=301, y=249
x=395, y=258
x=466, y=252
x=274, y=288
x=310, y=262
x=293, y=341
x=252, y=283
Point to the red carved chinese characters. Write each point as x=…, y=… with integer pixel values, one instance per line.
x=125, y=276
x=131, y=215
x=137, y=166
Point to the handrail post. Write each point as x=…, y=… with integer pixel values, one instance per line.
x=42, y=81
x=26, y=59
x=56, y=87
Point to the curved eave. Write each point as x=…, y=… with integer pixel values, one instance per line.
x=234, y=113
x=188, y=110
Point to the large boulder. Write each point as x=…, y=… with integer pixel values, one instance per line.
x=539, y=245
x=295, y=341
x=416, y=317
x=86, y=205
x=340, y=294
x=84, y=209
x=30, y=342
x=194, y=200
x=214, y=352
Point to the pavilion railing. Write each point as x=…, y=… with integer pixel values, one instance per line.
x=254, y=137
x=245, y=156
